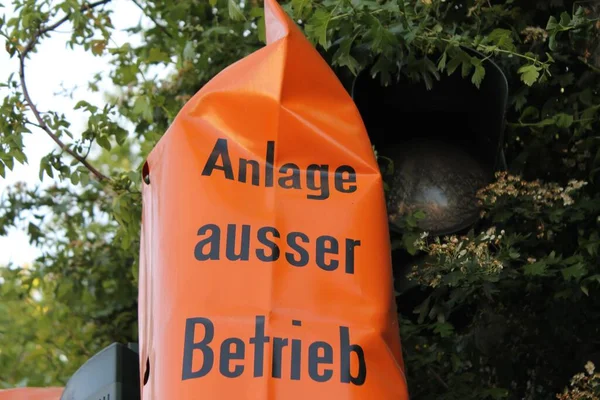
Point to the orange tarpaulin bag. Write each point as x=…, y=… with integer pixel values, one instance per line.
x=265, y=268
x=30, y=393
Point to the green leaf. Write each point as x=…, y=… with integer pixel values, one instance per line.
x=563, y=120
x=428, y=80
x=104, y=142
x=535, y=269
x=19, y=156
x=430, y=67
x=2, y=170
x=43, y=162
x=301, y=7
x=391, y=7
x=343, y=58
x=529, y=74
x=316, y=27
x=379, y=38
x=120, y=136
x=34, y=232
x=530, y=112
x=135, y=272
x=552, y=42
x=419, y=215
x=592, y=248
x=575, y=272
x=442, y=63
x=141, y=106
x=382, y=67
x=82, y=104
x=466, y=68
x=502, y=38
x=216, y=31
x=478, y=75
x=75, y=178
x=260, y=28
x=409, y=239
x=64, y=289
x=422, y=309
x=520, y=100
x=84, y=178
x=189, y=51
x=213, y=3
x=585, y=96
x=444, y=329
x=98, y=47
x=585, y=290
x=593, y=278
x=49, y=170
x=565, y=19
x=551, y=24
x=157, y=55
x=453, y=64
x=235, y=13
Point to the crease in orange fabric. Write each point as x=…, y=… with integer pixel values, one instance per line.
x=265, y=268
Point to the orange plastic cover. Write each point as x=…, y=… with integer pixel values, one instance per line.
x=29, y=393
x=265, y=268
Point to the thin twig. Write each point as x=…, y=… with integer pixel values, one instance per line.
x=590, y=66
x=41, y=123
x=35, y=38
x=162, y=28
x=438, y=378
x=88, y=150
x=34, y=124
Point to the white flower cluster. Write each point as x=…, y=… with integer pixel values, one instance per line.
x=541, y=194
x=458, y=253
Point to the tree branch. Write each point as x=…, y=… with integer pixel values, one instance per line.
x=46, y=129
x=42, y=124
x=590, y=66
x=162, y=28
x=438, y=378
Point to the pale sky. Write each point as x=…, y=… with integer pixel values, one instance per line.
x=52, y=66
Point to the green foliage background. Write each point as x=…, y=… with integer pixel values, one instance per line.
x=508, y=310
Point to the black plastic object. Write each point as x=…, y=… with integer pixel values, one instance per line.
x=454, y=110
x=111, y=374
x=446, y=142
